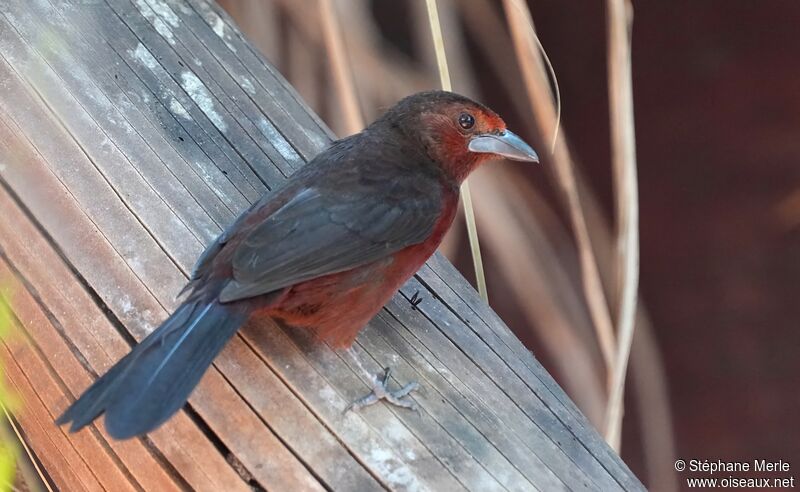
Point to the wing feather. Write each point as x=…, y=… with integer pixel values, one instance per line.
x=318, y=232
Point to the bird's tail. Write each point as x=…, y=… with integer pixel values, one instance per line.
x=155, y=379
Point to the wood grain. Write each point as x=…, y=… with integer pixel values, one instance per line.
x=131, y=133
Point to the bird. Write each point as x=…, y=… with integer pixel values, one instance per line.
x=323, y=252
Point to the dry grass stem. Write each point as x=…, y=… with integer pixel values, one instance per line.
x=474, y=242
x=301, y=65
x=647, y=366
x=438, y=45
x=461, y=70
x=384, y=74
x=528, y=56
x=520, y=223
x=343, y=76
x=469, y=212
x=456, y=45
x=623, y=149
x=488, y=29
x=652, y=401
x=557, y=91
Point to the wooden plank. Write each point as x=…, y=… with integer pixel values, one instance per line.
x=275, y=98
x=147, y=136
x=41, y=376
x=251, y=442
x=86, y=335
x=281, y=468
x=409, y=466
x=181, y=157
x=475, y=439
x=179, y=82
x=463, y=301
x=253, y=129
x=160, y=98
x=457, y=348
x=68, y=165
x=100, y=143
x=65, y=466
x=293, y=422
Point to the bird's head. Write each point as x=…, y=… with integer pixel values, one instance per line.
x=456, y=132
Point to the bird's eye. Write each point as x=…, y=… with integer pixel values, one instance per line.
x=466, y=121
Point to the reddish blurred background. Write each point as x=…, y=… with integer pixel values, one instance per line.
x=717, y=108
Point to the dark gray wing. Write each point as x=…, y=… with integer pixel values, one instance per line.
x=320, y=233
x=208, y=255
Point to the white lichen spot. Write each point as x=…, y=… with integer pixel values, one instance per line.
x=401, y=477
x=277, y=141
x=123, y=102
x=208, y=179
x=165, y=31
x=184, y=8
x=154, y=11
x=144, y=57
x=380, y=456
x=147, y=327
x=178, y=109
x=397, y=432
x=328, y=395
x=247, y=86
x=163, y=10
x=219, y=27
x=2, y=167
x=126, y=305
x=106, y=145
x=396, y=473
x=200, y=95
x=320, y=140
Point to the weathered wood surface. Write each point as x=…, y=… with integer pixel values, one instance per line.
x=131, y=132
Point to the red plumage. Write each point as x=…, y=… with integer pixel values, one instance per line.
x=337, y=306
x=323, y=252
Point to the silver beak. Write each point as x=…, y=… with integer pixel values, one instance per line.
x=505, y=144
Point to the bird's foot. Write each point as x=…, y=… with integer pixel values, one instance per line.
x=380, y=391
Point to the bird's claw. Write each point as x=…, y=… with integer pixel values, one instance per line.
x=415, y=300
x=380, y=391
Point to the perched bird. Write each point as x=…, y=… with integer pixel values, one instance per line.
x=324, y=252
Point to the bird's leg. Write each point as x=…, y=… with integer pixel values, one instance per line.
x=380, y=390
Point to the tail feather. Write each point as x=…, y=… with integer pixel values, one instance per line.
x=150, y=384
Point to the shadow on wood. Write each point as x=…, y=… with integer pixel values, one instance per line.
x=130, y=134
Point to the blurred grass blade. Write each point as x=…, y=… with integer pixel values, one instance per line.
x=10, y=402
x=343, y=75
x=623, y=151
x=517, y=221
x=551, y=71
x=469, y=212
x=528, y=56
x=32, y=481
x=649, y=378
x=438, y=44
